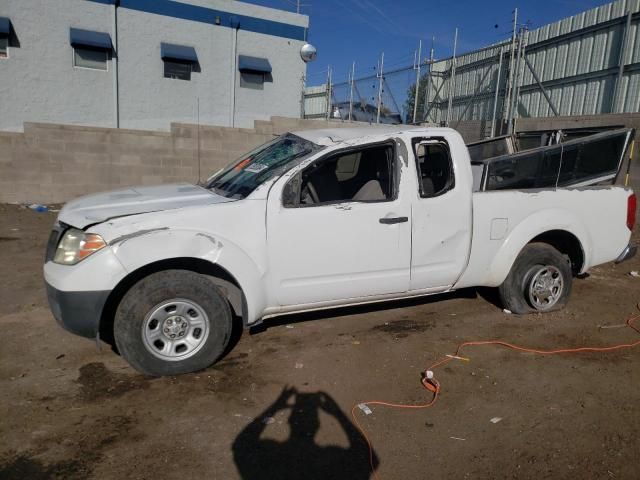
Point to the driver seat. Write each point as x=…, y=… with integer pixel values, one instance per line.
x=370, y=191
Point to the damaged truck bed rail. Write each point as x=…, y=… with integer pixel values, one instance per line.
x=595, y=159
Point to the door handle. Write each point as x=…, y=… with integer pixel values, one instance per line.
x=393, y=220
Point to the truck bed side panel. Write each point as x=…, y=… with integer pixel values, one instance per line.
x=504, y=222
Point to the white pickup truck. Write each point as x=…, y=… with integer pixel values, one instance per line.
x=313, y=220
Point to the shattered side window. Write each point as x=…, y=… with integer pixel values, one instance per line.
x=273, y=158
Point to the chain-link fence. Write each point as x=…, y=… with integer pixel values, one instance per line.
x=548, y=71
x=375, y=98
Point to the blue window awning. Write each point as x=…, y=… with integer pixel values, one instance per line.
x=253, y=64
x=182, y=53
x=5, y=26
x=88, y=38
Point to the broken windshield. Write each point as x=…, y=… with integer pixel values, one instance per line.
x=253, y=169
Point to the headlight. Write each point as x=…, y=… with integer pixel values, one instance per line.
x=77, y=245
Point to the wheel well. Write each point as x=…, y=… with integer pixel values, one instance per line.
x=567, y=244
x=229, y=286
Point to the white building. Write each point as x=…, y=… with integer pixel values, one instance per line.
x=147, y=63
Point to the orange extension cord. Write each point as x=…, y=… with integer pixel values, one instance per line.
x=431, y=384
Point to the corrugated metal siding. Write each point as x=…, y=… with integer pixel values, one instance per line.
x=315, y=101
x=579, y=70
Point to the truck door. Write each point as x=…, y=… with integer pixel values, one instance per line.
x=340, y=228
x=441, y=217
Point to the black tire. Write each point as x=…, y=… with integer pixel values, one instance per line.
x=515, y=291
x=186, y=288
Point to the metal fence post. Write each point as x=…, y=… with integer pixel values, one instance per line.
x=516, y=84
x=497, y=94
x=427, y=88
x=617, y=104
x=452, y=77
x=380, y=87
x=303, y=95
x=329, y=92
x=523, y=53
x=506, y=106
x=353, y=74
x=417, y=89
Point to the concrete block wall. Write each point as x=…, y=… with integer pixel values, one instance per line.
x=52, y=163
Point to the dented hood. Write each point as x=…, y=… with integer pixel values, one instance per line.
x=97, y=208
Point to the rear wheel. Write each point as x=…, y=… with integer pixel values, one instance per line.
x=172, y=322
x=539, y=281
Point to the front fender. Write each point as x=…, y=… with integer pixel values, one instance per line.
x=529, y=228
x=144, y=247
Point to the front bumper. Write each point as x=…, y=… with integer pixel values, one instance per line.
x=627, y=253
x=77, y=312
x=78, y=293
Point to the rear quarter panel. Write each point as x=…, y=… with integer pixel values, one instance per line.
x=505, y=221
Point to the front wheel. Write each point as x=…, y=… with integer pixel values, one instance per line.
x=172, y=322
x=539, y=280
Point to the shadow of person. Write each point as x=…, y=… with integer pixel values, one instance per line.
x=300, y=457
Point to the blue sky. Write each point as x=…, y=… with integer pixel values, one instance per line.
x=358, y=30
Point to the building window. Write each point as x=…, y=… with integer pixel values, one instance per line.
x=5, y=33
x=177, y=70
x=90, y=58
x=4, y=47
x=179, y=61
x=252, y=80
x=90, y=49
x=254, y=71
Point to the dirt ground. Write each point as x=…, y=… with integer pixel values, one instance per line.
x=278, y=406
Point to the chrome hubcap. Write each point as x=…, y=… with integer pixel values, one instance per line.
x=175, y=329
x=545, y=287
